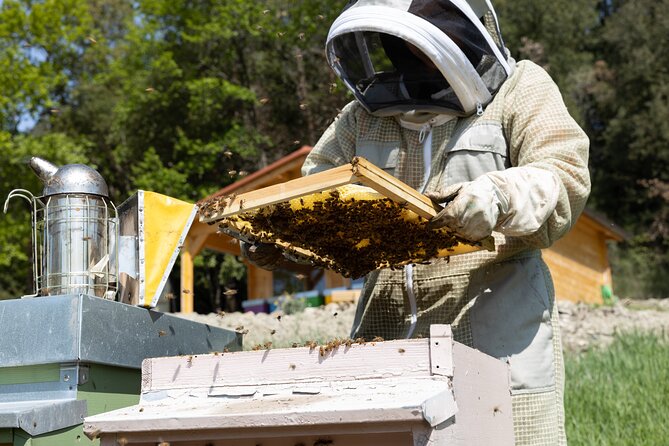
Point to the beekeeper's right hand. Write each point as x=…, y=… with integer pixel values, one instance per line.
x=263, y=255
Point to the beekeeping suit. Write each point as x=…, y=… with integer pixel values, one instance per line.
x=441, y=106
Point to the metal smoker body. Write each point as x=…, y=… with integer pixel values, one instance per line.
x=75, y=231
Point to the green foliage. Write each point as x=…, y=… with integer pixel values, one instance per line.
x=182, y=97
x=618, y=396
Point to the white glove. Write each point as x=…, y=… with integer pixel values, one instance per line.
x=515, y=201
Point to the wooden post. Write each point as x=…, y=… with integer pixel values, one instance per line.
x=192, y=246
x=260, y=282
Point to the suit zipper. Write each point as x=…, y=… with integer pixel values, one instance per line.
x=425, y=137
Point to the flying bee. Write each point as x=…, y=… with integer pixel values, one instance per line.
x=300, y=276
x=303, y=106
x=300, y=36
x=263, y=101
x=232, y=173
x=169, y=296
x=227, y=153
x=280, y=34
x=92, y=40
x=149, y=89
x=162, y=333
x=266, y=11
x=242, y=173
x=230, y=292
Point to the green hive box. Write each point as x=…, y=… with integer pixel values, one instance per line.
x=63, y=358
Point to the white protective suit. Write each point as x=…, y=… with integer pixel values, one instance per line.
x=508, y=142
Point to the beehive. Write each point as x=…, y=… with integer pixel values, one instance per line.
x=350, y=229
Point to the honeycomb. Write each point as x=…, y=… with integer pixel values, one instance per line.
x=351, y=229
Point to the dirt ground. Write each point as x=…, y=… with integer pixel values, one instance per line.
x=583, y=326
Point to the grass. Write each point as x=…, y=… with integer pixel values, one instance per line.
x=619, y=395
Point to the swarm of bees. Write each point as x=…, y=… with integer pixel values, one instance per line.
x=351, y=229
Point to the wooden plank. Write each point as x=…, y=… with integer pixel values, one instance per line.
x=278, y=193
x=384, y=183
x=352, y=434
x=404, y=358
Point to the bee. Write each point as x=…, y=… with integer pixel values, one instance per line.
x=296, y=142
x=303, y=106
x=54, y=111
x=227, y=153
x=300, y=36
x=162, y=333
x=292, y=366
x=263, y=101
x=295, y=345
x=189, y=361
x=95, y=434
x=92, y=40
x=311, y=344
x=149, y=89
x=322, y=442
x=169, y=296
x=401, y=350
x=272, y=332
x=122, y=441
x=321, y=351
x=241, y=203
x=377, y=339
x=333, y=87
x=225, y=350
x=335, y=314
x=321, y=17
x=360, y=341
x=87, y=238
x=348, y=342
x=242, y=173
x=266, y=11
x=278, y=318
x=230, y=292
x=280, y=34
x=267, y=345
x=256, y=347
x=220, y=313
x=185, y=291
x=300, y=276
x=239, y=328
x=141, y=409
x=232, y=173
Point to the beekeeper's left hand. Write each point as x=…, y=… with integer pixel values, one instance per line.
x=515, y=201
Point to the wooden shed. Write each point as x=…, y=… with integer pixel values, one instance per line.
x=578, y=262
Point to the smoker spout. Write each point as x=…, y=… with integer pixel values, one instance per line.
x=43, y=168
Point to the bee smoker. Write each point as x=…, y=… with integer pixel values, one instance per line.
x=74, y=231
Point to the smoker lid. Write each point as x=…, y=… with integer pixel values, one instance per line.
x=69, y=179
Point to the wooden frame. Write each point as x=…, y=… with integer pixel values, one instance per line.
x=359, y=170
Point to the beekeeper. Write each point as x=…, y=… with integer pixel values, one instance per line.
x=441, y=105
